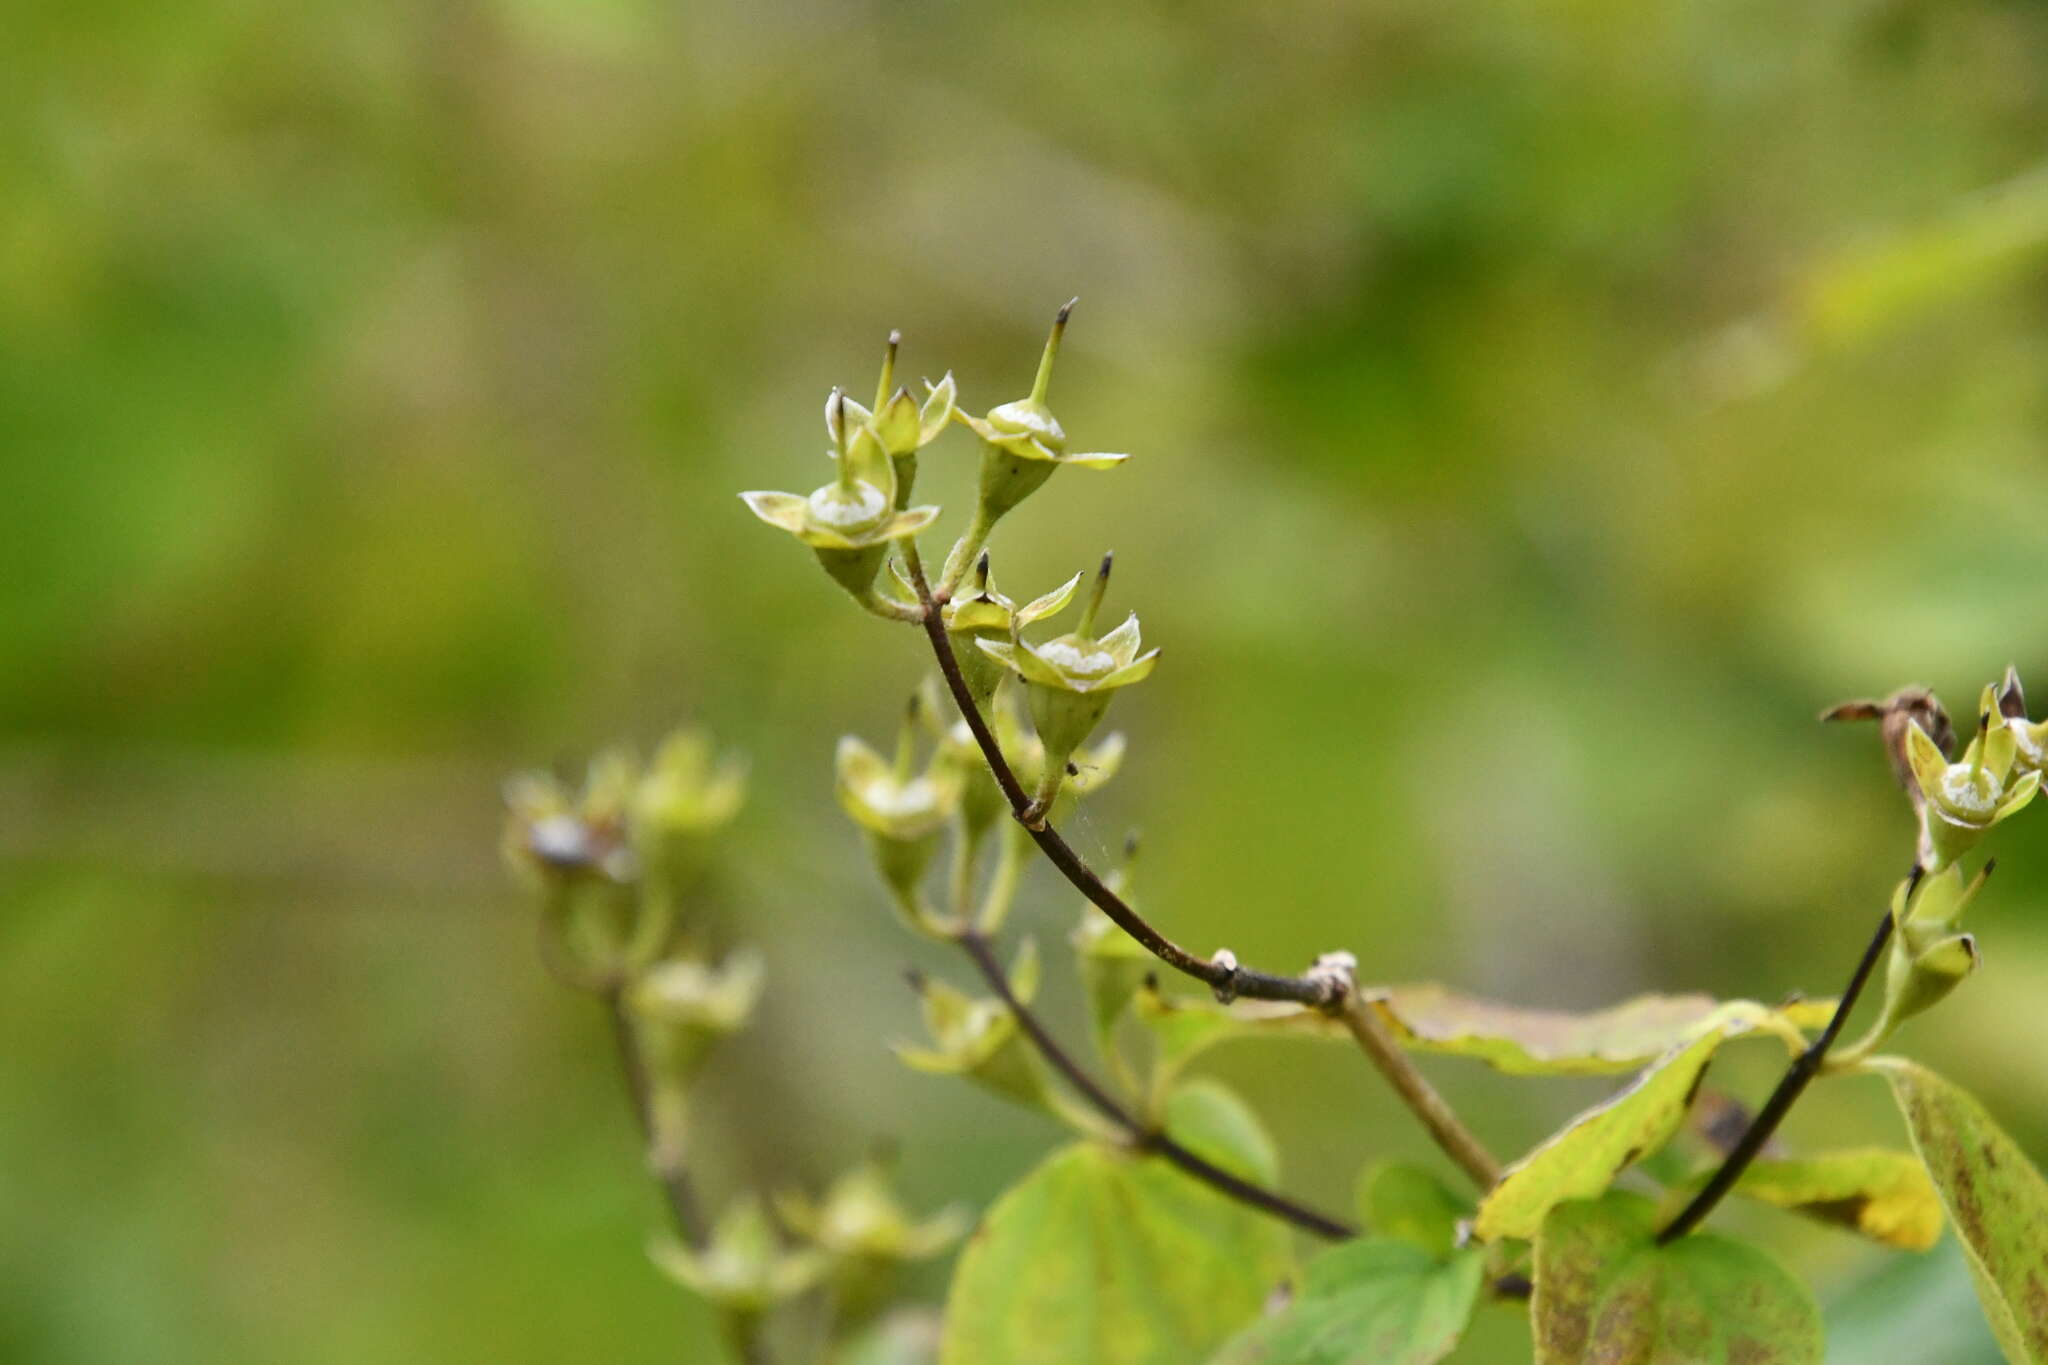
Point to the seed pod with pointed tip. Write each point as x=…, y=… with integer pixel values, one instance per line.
x=1022, y=444
x=1071, y=680
x=1964, y=799
x=851, y=522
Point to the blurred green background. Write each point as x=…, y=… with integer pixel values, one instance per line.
x=1539, y=412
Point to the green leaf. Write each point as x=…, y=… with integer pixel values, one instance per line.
x=1583, y=1159
x=1184, y=1027
x=1884, y=1195
x=1408, y=1202
x=1994, y=1196
x=1606, y=1292
x=1375, y=1302
x=1103, y=1256
x=1210, y=1120
x=1521, y=1041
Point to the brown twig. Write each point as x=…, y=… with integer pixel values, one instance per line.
x=1145, y=1139
x=1226, y=979
x=1802, y=1071
x=1331, y=992
x=1456, y=1140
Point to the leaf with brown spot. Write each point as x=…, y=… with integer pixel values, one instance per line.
x=1522, y=1041
x=1583, y=1159
x=1884, y=1195
x=1607, y=1293
x=1994, y=1196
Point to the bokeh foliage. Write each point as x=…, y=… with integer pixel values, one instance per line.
x=1573, y=396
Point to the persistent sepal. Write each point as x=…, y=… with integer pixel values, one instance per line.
x=979, y=1038
x=1961, y=801
x=1071, y=680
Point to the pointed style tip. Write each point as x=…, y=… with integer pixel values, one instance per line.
x=1067, y=309
x=2012, y=699
x=1108, y=560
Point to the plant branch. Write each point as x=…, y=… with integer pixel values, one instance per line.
x=1227, y=980
x=1328, y=991
x=676, y=1186
x=1450, y=1134
x=1802, y=1071
x=1144, y=1139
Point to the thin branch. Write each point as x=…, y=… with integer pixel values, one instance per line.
x=1227, y=980
x=676, y=1187
x=1456, y=1140
x=1143, y=1138
x=1327, y=991
x=1802, y=1070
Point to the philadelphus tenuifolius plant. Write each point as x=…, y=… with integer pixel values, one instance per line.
x=1166, y=1176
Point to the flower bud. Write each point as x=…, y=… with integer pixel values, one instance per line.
x=578, y=855
x=1929, y=956
x=684, y=796
x=900, y=426
x=684, y=792
x=978, y=1038
x=1113, y=964
x=982, y=612
x=1918, y=980
x=681, y=1008
x=861, y=1216
x=2030, y=741
x=1071, y=680
x=851, y=522
x=868, y=1233
x=1960, y=801
x=901, y=811
x=741, y=1269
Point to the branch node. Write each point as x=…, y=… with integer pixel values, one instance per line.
x=1336, y=973
x=1225, y=984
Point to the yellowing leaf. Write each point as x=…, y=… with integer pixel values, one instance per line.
x=1995, y=1197
x=1884, y=1195
x=1103, y=1256
x=1376, y=1302
x=1607, y=1293
x=1619, y=1038
x=1583, y=1159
